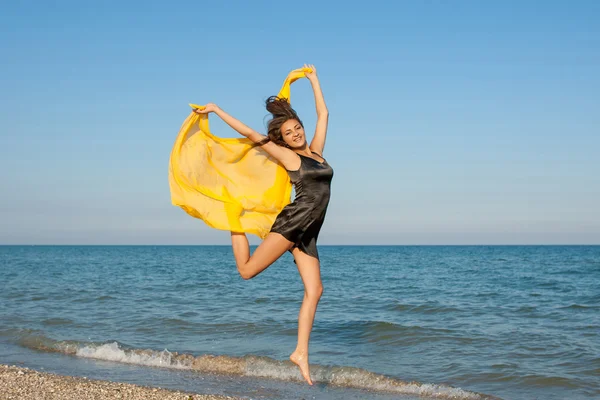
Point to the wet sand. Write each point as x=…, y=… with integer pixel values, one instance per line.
x=24, y=383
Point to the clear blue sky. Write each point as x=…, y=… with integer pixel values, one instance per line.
x=462, y=122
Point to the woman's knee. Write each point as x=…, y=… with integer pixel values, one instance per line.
x=253, y=267
x=314, y=292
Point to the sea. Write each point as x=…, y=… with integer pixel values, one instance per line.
x=394, y=322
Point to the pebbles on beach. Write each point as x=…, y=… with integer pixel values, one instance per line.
x=24, y=383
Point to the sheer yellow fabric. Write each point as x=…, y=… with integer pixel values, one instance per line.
x=230, y=184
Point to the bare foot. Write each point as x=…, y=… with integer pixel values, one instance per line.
x=301, y=360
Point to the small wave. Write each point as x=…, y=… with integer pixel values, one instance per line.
x=368, y=328
x=250, y=365
x=176, y=322
x=189, y=314
x=57, y=321
x=505, y=365
x=527, y=309
x=577, y=307
x=357, y=332
x=37, y=341
x=568, y=272
x=105, y=297
x=379, y=329
x=425, y=308
x=548, y=381
x=483, y=294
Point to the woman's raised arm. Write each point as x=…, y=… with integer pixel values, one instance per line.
x=318, y=142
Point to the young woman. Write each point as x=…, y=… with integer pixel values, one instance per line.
x=297, y=227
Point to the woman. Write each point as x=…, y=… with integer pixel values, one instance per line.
x=297, y=227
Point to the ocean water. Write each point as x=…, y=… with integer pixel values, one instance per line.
x=407, y=322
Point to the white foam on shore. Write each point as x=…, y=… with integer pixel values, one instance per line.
x=112, y=352
x=252, y=366
x=357, y=378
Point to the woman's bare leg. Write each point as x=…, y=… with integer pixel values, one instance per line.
x=266, y=254
x=310, y=272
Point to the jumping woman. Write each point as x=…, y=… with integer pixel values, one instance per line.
x=297, y=226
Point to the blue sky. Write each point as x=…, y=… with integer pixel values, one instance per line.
x=459, y=122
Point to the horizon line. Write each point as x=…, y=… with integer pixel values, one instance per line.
x=321, y=245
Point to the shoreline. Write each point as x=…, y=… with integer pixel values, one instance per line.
x=24, y=383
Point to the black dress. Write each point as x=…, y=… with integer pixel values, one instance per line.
x=300, y=221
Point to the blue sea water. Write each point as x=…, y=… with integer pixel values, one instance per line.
x=462, y=322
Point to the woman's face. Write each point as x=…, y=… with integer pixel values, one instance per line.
x=293, y=134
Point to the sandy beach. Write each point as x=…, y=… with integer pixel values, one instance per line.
x=24, y=383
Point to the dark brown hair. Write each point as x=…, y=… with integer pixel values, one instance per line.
x=282, y=111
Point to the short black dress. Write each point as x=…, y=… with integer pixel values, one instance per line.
x=300, y=221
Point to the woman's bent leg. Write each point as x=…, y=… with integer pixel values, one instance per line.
x=266, y=254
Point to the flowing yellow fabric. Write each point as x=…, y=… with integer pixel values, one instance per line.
x=230, y=184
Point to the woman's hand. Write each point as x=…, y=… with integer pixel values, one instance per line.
x=210, y=107
x=311, y=75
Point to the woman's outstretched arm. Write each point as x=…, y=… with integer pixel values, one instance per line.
x=284, y=156
x=318, y=142
x=236, y=124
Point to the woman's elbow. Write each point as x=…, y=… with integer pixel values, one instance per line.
x=324, y=113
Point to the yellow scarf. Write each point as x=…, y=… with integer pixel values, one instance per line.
x=230, y=184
